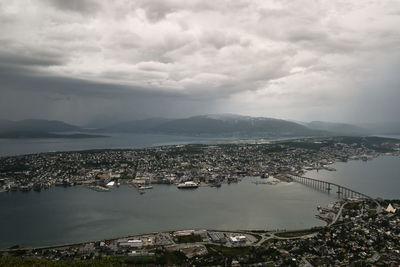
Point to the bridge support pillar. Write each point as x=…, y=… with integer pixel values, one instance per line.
x=338, y=191
x=328, y=188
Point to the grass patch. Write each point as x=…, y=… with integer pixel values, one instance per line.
x=188, y=239
x=258, y=237
x=289, y=234
x=162, y=258
x=352, y=206
x=259, y=231
x=372, y=212
x=140, y=260
x=231, y=251
x=170, y=258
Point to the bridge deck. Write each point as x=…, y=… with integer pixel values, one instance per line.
x=344, y=188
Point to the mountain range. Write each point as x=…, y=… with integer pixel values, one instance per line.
x=216, y=125
x=41, y=129
x=337, y=128
x=225, y=125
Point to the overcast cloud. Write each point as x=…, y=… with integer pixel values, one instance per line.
x=305, y=60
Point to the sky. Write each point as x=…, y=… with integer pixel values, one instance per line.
x=87, y=61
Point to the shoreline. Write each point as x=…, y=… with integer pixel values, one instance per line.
x=212, y=141
x=274, y=234
x=283, y=157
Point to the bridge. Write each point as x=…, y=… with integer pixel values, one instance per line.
x=341, y=191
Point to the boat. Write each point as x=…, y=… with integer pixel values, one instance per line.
x=100, y=188
x=188, y=185
x=141, y=187
x=110, y=184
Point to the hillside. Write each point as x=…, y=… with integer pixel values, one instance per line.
x=36, y=126
x=337, y=128
x=217, y=125
x=40, y=129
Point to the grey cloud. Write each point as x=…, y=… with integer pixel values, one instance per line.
x=156, y=10
x=24, y=80
x=220, y=39
x=79, y=6
x=29, y=60
x=171, y=58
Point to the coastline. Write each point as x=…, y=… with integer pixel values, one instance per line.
x=197, y=244
x=184, y=146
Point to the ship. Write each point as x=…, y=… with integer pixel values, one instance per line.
x=188, y=185
x=141, y=187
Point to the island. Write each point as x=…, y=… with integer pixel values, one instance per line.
x=205, y=165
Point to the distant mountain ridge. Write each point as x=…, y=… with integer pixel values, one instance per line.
x=227, y=125
x=34, y=125
x=33, y=128
x=27, y=134
x=212, y=125
x=136, y=126
x=337, y=128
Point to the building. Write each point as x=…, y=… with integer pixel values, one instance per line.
x=237, y=239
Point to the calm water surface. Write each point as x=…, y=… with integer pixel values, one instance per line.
x=61, y=215
x=379, y=177
x=11, y=147
x=77, y=214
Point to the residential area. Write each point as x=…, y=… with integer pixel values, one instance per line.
x=204, y=165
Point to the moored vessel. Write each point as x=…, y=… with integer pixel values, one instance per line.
x=188, y=185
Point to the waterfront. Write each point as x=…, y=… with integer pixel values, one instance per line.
x=379, y=177
x=76, y=214
x=12, y=147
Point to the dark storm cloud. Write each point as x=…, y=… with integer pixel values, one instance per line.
x=22, y=79
x=291, y=59
x=9, y=60
x=80, y=6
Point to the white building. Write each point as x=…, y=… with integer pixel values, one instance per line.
x=390, y=208
x=237, y=239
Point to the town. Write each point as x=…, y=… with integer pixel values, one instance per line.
x=188, y=166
